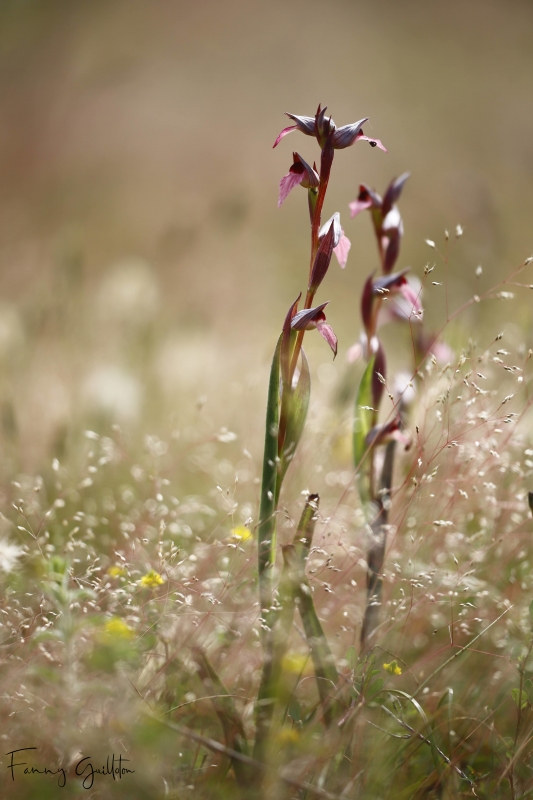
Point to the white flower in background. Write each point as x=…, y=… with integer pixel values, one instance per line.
x=129, y=292
x=113, y=391
x=9, y=555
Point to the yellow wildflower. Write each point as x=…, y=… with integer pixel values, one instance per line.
x=116, y=627
x=242, y=533
x=152, y=579
x=287, y=736
x=116, y=572
x=295, y=662
x=393, y=668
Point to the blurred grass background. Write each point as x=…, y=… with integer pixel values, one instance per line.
x=143, y=259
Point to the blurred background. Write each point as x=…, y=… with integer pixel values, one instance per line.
x=145, y=269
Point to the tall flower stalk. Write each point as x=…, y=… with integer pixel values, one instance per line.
x=389, y=296
x=287, y=405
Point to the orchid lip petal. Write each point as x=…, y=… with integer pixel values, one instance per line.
x=373, y=142
x=327, y=333
x=356, y=206
x=283, y=133
x=342, y=249
x=287, y=184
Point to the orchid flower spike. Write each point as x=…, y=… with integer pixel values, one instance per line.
x=341, y=243
x=311, y=318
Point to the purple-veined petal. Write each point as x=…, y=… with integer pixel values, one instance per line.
x=347, y=134
x=342, y=249
x=287, y=184
x=373, y=142
x=283, y=133
x=308, y=318
x=327, y=333
x=304, y=124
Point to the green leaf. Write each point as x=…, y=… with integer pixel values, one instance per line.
x=266, y=533
x=364, y=417
x=297, y=406
x=520, y=698
x=351, y=657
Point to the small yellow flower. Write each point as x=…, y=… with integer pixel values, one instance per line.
x=152, y=579
x=287, y=736
x=242, y=533
x=295, y=663
x=116, y=627
x=116, y=572
x=393, y=668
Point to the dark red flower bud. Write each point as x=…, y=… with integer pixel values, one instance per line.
x=324, y=126
x=322, y=258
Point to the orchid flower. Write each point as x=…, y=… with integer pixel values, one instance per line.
x=311, y=318
x=322, y=127
x=299, y=174
x=341, y=243
x=386, y=217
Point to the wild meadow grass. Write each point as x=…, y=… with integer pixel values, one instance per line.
x=311, y=624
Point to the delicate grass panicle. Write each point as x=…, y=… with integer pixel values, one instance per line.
x=373, y=642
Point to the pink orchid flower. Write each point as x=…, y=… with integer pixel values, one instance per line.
x=311, y=318
x=299, y=174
